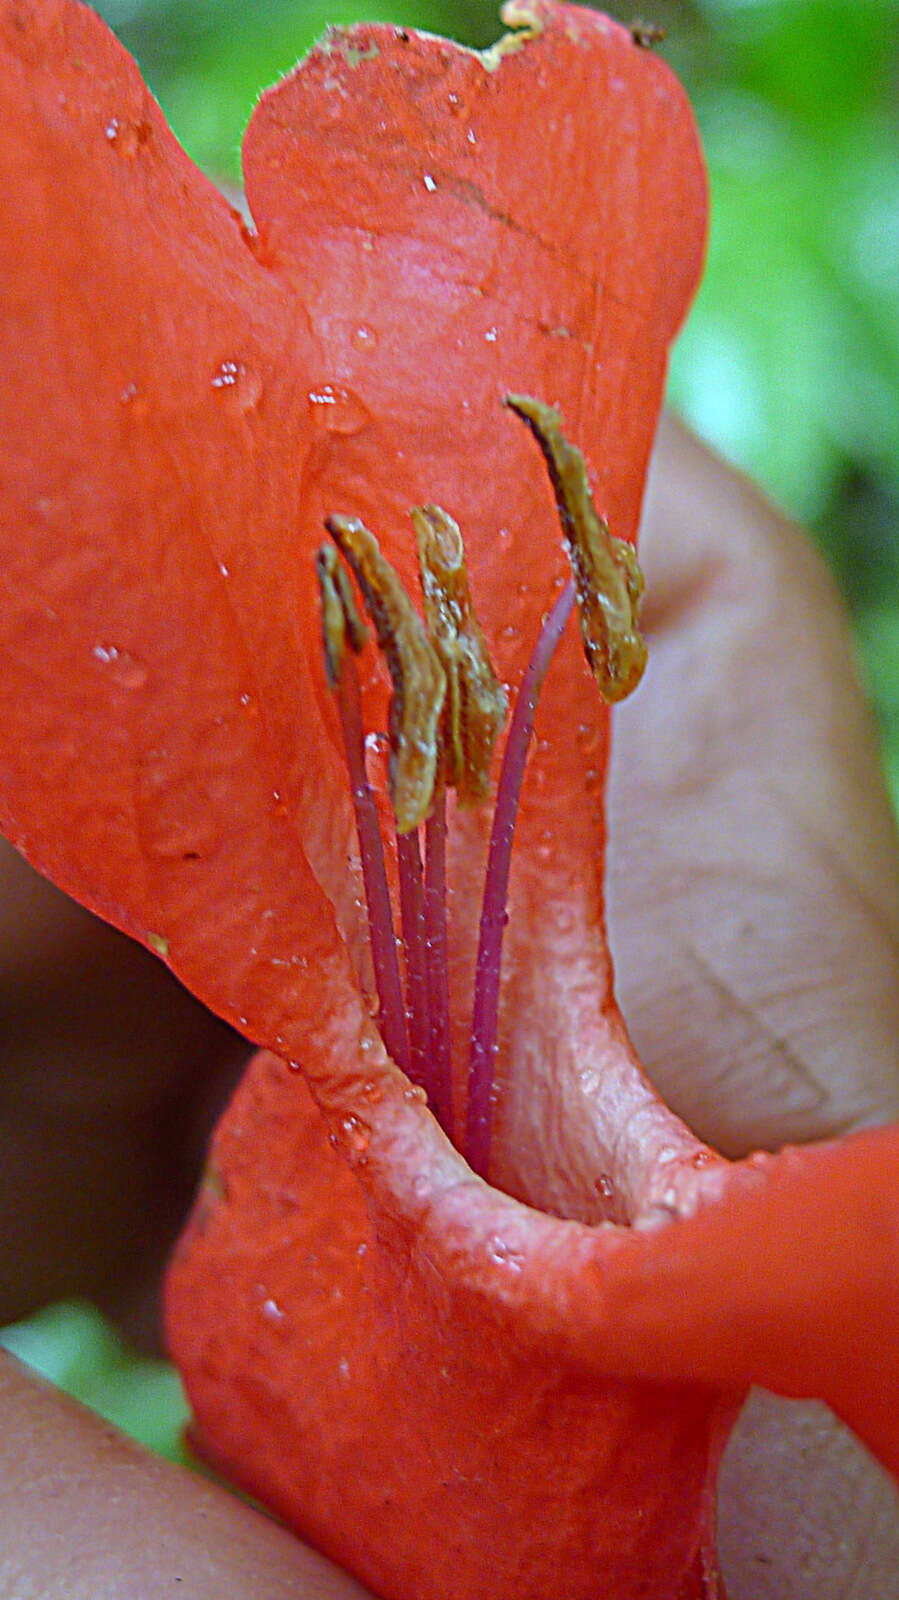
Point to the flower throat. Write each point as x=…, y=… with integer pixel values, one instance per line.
x=446, y=712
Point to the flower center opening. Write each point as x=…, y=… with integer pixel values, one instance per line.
x=446, y=712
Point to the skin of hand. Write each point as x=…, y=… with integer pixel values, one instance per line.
x=754, y=916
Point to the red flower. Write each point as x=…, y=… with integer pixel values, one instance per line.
x=453, y=1391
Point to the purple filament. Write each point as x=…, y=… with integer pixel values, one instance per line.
x=391, y=1016
x=493, y=911
x=438, y=962
x=412, y=910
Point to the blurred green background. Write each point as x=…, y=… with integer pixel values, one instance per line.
x=789, y=364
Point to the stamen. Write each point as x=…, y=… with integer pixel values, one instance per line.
x=476, y=703
x=412, y=911
x=444, y=718
x=436, y=944
x=341, y=624
x=496, y=887
x=419, y=684
x=607, y=575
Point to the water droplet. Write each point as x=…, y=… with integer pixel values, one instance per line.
x=491, y=336
x=377, y=759
x=136, y=402
x=703, y=1158
x=127, y=136
x=224, y=570
x=604, y=1186
x=121, y=666
x=504, y=1254
x=239, y=386
x=337, y=410
x=343, y=1367
x=415, y=1094
x=458, y=106
x=363, y=337
x=272, y=1312
x=249, y=705
x=356, y=1136
x=588, y=737
x=470, y=136
x=429, y=183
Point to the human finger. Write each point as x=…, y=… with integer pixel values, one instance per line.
x=88, y=1515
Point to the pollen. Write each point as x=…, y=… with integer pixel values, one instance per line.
x=608, y=581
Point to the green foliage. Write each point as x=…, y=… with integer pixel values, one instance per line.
x=73, y=1346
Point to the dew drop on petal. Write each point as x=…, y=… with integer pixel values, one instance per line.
x=272, y=1312
x=504, y=1254
x=127, y=136
x=238, y=386
x=121, y=666
x=136, y=402
x=337, y=410
x=355, y=1136
x=363, y=337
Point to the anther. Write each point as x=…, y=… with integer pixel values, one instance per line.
x=607, y=576
x=419, y=683
x=341, y=622
x=476, y=704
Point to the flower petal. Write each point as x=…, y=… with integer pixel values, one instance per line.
x=366, y=1370
x=413, y=1368
x=155, y=697
x=181, y=404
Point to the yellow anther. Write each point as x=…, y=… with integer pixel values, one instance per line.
x=607, y=575
x=475, y=708
x=419, y=684
x=341, y=622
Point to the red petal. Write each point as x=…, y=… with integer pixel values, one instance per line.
x=179, y=408
x=440, y=1372
x=366, y=1369
x=155, y=697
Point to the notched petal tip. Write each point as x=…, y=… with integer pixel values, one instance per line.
x=476, y=702
x=607, y=575
x=419, y=682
